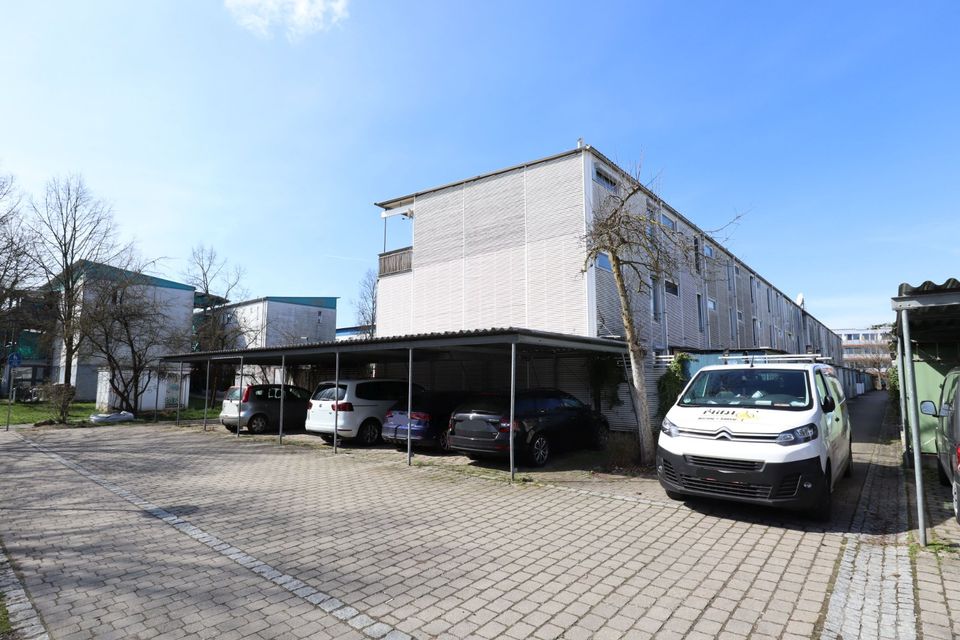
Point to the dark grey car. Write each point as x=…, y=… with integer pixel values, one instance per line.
x=948, y=435
x=259, y=409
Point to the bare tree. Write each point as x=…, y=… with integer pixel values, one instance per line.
x=73, y=230
x=128, y=323
x=643, y=252
x=366, y=304
x=16, y=267
x=216, y=328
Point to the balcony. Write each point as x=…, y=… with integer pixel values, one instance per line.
x=396, y=261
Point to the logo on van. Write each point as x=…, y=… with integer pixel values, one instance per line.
x=728, y=415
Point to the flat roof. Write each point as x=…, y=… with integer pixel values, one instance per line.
x=478, y=342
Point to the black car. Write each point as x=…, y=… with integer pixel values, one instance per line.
x=544, y=420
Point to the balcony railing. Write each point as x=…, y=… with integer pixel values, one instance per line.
x=396, y=261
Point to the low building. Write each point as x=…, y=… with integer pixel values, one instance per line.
x=868, y=349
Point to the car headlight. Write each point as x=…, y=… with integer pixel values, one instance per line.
x=669, y=429
x=806, y=433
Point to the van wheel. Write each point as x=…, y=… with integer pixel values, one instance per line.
x=824, y=506
x=258, y=424
x=849, y=470
x=942, y=475
x=956, y=501
x=369, y=433
x=539, y=450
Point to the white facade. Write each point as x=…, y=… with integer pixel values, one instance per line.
x=506, y=250
x=164, y=397
x=281, y=321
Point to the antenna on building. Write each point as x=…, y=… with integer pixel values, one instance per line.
x=800, y=300
x=579, y=143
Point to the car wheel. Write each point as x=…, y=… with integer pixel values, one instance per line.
x=369, y=433
x=956, y=501
x=824, y=506
x=258, y=424
x=444, y=442
x=539, y=450
x=849, y=470
x=327, y=437
x=601, y=437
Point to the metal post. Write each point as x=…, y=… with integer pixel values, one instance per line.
x=156, y=398
x=13, y=396
x=206, y=396
x=901, y=383
x=240, y=397
x=179, y=391
x=513, y=402
x=409, y=406
x=336, y=400
x=911, y=383
x=283, y=391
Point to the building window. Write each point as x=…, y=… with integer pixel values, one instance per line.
x=753, y=295
x=696, y=254
x=671, y=287
x=708, y=251
x=733, y=326
x=711, y=304
x=730, y=276
x=769, y=307
x=668, y=222
x=700, y=313
x=756, y=331
x=605, y=181
x=603, y=262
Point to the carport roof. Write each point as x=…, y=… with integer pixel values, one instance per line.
x=934, y=310
x=478, y=341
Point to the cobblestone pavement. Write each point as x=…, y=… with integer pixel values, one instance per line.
x=140, y=532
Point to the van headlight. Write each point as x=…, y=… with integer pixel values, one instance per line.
x=806, y=433
x=669, y=429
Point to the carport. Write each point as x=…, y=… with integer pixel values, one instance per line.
x=484, y=357
x=928, y=345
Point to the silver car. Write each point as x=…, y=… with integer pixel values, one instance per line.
x=259, y=407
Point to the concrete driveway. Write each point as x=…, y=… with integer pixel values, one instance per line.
x=140, y=532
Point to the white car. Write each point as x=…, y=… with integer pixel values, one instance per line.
x=772, y=434
x=359, y=407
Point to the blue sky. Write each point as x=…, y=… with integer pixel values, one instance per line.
x=833, y=127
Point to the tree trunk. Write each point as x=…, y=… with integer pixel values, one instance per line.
x=638, y=356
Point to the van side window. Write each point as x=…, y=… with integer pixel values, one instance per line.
x=949, y=392
x=822, y=387
x=836, y=389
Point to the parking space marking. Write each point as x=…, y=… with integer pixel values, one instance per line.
x=369, y=626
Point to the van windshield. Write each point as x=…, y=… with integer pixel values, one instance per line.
x=768, y=388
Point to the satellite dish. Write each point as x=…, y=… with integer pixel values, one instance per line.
x=800, y=300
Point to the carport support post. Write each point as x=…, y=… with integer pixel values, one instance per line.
x=911, y=382
x=901, y=383
x=513, y=402
x=409, y=405
x=206, y=396
x=283, y=391
x=156, y=398
x=240, y=397
x=179, y=391
x=336, y=399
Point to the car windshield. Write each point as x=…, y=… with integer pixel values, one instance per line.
x=767, y=388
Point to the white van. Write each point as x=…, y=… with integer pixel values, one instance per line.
x=358, y=406
x=772, y=434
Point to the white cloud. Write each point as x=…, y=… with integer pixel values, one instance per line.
x=299, y=18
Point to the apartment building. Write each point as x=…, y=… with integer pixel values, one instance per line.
x=867, y=349
x=505, y=249
x=274, y=321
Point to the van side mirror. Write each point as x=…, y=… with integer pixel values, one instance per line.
x=828, y=404
x=928, y=408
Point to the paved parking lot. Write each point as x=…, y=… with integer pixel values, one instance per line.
x=139, y=532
